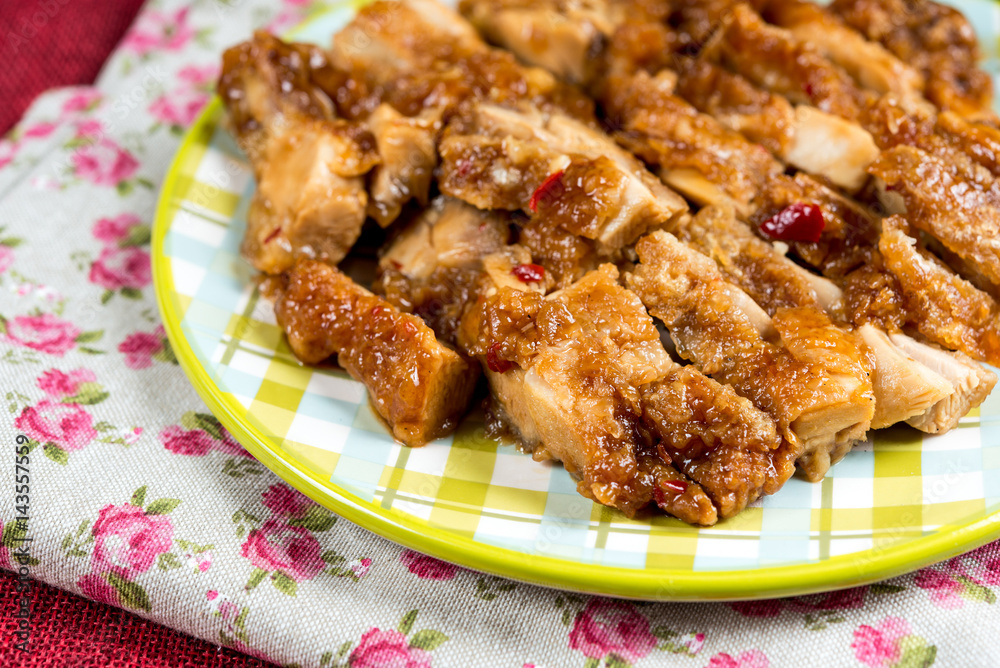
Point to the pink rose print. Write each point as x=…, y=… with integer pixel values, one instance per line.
x=67, y=426
x=4, y=550
x=277, y=546
x=427, y=568
x=118, y=268
x=6, y=258
x=197, y=434
x=387, y=649
x=104, y=163
x=89, y=129
x=97, y=588
x=115, y=230
x=40, y=130
x=58, y=385
x=45, y=333
x=360, y=567
x=769, y=608
x=183, y=442
x=180, y=107
x=200, y=561
x=159, y=31
x=84, y=100
x=8, y=151
x=128, y=540
x=751, y=659
x=945, y=591
x=611, y=627
x=139, y=349
x=965, y=578
x=891, y=643
x=285, y=501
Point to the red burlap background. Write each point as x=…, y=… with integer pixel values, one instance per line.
x=71, y=632
x=44, y=44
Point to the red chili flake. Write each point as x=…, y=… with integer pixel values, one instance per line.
x=678, y=486
x=529, y=273
x=798, y=222
x=495, y=362
x=376, y=310
x=272, y=235
x=548, y=189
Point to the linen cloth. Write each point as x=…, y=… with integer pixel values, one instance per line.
x=140, y=499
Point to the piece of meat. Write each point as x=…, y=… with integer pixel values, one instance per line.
x=775, y=60
x=809, y=375
x=555, y=168
x=942, y=204
x=746, y=260
x=904, y=387
x=970, y=381
x=966, y=148
x=432, y=267
x=561, y=37
x=940, y=305
x=933, y=38
x=311, y=198
x=419, y=386
x=302, y=206
x=603, y=334
x=406, y=146
x=758, y=115
x=423, y=55
x=850, y=229
x=692, y=152
x=868, y=63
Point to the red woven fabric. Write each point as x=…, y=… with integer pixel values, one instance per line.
x=49, y=43
x=71, y=632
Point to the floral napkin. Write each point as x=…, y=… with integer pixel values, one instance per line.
x=139, y=498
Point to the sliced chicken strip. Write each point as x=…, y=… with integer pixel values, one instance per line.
x=971, y=382
x=420, y=387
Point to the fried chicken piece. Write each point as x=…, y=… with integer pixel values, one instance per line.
x=556, y=168
x=971, y=384
x=936, y=40
x=419, y=386
x=311, y=198
x=432, y=267
x=868, y=63
x=408, y=157
x=775, y=60
x=940, y=305
x=746, y=260
x=809, y=375
x=692, y=152
x=942, y=204
x=599, y=331
x=850, y=229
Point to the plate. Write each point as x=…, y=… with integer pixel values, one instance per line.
x=891, y=506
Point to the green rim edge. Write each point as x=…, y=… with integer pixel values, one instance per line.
x=650, y=584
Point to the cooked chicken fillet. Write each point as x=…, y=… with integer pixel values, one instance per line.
x=943, y=307
x=868, y=63
x=775, y=60
x=904, y=387
x=693, y=153
x=432, y=267
x=812, y=378
x=943, y=205
x=596, y=336
x=770, y=278
x=311, y=198
x=554, y=167
x=936, y=40
x=971, y=382
x=408, y=152
x=420, y=387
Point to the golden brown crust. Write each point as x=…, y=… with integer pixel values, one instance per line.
x=420, y=387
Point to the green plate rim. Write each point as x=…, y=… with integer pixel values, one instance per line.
x=838, y=572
